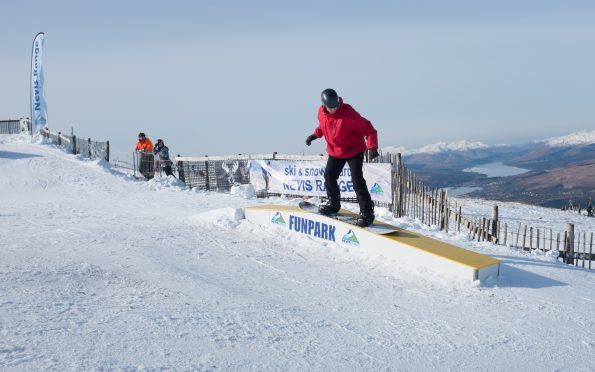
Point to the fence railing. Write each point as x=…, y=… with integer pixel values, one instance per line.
x=85, y=147
x=220, y=173
x=433, y=207
x=15, y=126
x=123, y=164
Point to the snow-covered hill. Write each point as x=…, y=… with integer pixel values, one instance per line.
x=438, y=147
x=99, y=270
x=573, y=139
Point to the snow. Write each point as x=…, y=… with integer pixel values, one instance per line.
x=99, y=270
x=573, y=139
x=517, y=213
x=245, y=191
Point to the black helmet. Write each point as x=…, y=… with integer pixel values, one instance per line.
x=329, y=98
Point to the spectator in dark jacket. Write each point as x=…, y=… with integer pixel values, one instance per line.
x=163, y=152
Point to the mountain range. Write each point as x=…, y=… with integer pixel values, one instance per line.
x=556, y=171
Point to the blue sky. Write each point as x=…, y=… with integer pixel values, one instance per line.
x=223, y=77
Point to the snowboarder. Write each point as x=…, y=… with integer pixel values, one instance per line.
x=163, y=152
x=348, y=135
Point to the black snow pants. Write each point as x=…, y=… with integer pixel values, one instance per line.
x=167, y=170
x=334, y=166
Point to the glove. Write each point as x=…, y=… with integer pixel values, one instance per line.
x=373, y=153
x=310, y=138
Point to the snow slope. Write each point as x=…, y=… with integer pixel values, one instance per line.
x=99, y=270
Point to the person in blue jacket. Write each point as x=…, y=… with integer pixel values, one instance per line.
x=163, y=152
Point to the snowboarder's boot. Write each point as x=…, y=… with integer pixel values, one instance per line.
x=332, y=206
x=366, y=214
x=365, y=219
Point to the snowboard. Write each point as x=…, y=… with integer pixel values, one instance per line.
x=378, y=228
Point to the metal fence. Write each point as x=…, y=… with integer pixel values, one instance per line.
x=14, y=126
x=85, y=147
x=218, y=173
x=98, y=150
x=60, y=140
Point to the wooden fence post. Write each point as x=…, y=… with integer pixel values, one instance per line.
x=423, y=203
x=584, y=247
x=591, y=251
x=416, y=198
x=181, y=175
x=399, y=186
x=494, y=226
x=207, y=176
x=445, y=210
x=551, y=239
x=409, y=193
x=569, y=244
x=395, y=187
x=578, y=249
x=434, y=207
x=459, y=219
x=524, y=236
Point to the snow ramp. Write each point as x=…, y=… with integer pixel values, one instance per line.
x=403, y=245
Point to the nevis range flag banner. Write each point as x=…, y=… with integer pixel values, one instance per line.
x=39, y=111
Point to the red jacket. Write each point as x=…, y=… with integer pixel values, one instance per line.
x=344, y=131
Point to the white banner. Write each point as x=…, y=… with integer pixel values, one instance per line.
x=307, y=178
x=39, y=111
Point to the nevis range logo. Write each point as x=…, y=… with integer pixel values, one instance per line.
x=376, y=189
x=278, y=219
x=350, y=238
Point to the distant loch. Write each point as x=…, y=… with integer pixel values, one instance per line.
x=496, y=170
